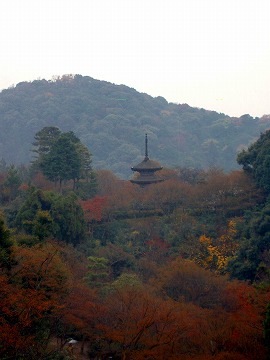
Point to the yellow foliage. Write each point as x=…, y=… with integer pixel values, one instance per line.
x=204, y=239
x=215, y=253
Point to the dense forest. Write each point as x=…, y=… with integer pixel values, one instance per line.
x=111, y=121
x=95, y=267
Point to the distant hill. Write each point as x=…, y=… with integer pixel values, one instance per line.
x=112, y=120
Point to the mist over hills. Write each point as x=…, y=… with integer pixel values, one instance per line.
x=111, y=121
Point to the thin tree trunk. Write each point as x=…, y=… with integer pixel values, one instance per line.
x=60, y=186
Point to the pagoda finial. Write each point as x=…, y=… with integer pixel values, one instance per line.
x=146, y=147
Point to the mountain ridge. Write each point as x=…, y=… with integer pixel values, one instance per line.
x=111, y=121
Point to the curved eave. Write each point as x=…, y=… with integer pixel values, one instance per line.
x=146, y=182
x=146, y=169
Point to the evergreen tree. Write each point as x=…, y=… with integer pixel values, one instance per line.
x=5, y=245
x=62, y=156
x=68, y=218
x=12, y=182
x=62, y=162
x=44, y=139
x=256, y=161
x=47, y=214
x=252, y=258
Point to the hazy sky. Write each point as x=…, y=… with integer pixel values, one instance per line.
x=213, y=54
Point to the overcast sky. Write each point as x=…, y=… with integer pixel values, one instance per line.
x=213, y=54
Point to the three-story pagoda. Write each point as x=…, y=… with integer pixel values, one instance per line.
x=147, y=170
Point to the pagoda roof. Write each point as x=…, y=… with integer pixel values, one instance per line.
x=147, y=165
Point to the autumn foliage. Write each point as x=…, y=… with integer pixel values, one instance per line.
x=150, y=281
x=94, y=208
x=31, y=294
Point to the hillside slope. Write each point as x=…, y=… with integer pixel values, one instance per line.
x=112, y=120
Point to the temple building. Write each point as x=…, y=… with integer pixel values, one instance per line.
x=146, y=169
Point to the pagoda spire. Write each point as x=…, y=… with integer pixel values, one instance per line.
x=146, y=148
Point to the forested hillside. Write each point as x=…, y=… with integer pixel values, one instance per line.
x=95, y=267
x=111, y=121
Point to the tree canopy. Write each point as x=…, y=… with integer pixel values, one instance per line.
x=256, y=161
x=48, y=214
x=61, y=156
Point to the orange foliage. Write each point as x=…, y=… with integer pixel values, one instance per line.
x=226, y=193
x=229, y=314
x=157, y=243
x=144, y=325
x=40, y=181
x=41, y=268
x=93, y=208
x=82, y=310
x=14, y=317
x=23, y=187
x=120, y=193
x=191, y=313
x=168, y=195
x=32, y=291
x=107, y=182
